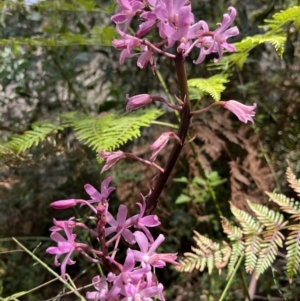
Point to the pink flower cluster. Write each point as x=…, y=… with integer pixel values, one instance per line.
x=176, y=26
x=132, y=280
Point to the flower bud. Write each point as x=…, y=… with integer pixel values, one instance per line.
x=64, y=204
x=137, y=101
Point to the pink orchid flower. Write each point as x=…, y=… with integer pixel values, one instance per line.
x=147, y=254
x=243, y=113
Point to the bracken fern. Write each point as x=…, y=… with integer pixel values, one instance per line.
x=258, y=237
x=105, y=132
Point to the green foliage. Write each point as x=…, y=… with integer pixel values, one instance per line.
x=213, y=86
x=101, y=36
x=110, y=131
x=199, y=190
x=72, y=5
x=208, y=254
x=39, y=132
x=274, y=35
x=258, y=238
x=49, y=37
x=272, y=222
x=235, y=235
x=247, y=44
x=292, y=207
x=244, y=47
x=105, y=132
x=280, y=19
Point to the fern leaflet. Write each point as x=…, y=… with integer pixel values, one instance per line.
x=286, y=204
x=213, y=85
x=273, y=238
x=100, y=133
x=20, y=143
x=235, y=234
x=293, y=182
x=208, y=254
x=252, y=229
x=283, y=17
x=109, y=132
x=293, y=251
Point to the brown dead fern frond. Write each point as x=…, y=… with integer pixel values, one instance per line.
x=216, y=139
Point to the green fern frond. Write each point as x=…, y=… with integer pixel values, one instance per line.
x=227, y=254
x=237, y=250
x=191, y=262
x=210, y=263
x=213, y=85
x=266, y=257
x=227, y=62
x=204, y=243
x=269, y=218
x=252, y=230
x=235, y=234
x=258, y=238
x=252, y=249
x=244, y=47
x=207, y=254
x=250, y=225
x=110, y=131
x=293, y=181
x=293, y=251
x=272, y=237
x=278, y=20
x=247, y=44
x=39, y=132
x=100, y=133
x=286, y=204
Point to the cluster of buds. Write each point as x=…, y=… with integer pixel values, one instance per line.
x=132, y=280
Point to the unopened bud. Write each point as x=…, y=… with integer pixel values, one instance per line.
x=137, y=101
x=64, y=204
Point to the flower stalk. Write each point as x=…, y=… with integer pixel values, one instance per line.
x=185, y=119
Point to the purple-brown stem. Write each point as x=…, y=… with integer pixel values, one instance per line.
x=214, y=104
x=161, y=99
x=110, y=266
x=182, y=132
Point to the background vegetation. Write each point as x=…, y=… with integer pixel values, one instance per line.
x=60, y=76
